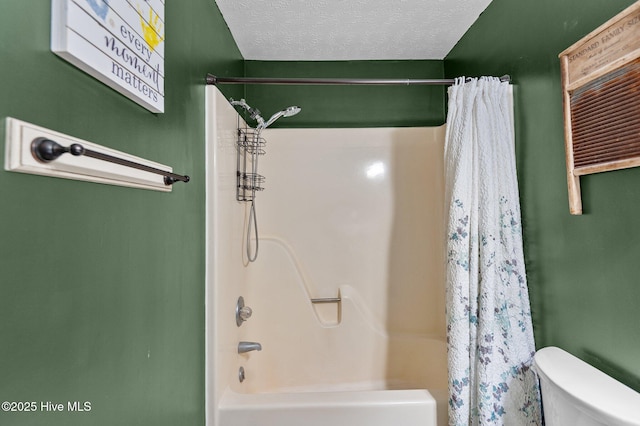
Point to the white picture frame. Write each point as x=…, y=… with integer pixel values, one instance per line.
x=119, y=42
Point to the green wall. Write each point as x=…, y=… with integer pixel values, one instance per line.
x=102, y=287
x=583, y=271
x=349, y=106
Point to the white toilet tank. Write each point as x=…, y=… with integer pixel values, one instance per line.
x=575, y=393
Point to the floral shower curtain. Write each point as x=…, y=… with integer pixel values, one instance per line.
x=489, y=331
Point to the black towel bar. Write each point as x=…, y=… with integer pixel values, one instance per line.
x=46, y=150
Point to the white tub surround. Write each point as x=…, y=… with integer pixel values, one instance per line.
x=350, y=215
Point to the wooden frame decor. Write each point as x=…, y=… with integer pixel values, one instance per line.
x=601, y=94
x=119, y=42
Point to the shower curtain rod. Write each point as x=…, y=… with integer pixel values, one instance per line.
x=212, y=79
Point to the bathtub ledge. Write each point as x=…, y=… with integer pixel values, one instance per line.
x=414, y=407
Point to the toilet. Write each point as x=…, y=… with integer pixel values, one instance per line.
x=575, y=393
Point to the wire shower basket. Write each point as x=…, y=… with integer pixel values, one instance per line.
x=250, y=145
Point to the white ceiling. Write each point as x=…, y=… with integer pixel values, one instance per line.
x=321, y=30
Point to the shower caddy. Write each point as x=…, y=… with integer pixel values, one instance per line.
x=249, y=145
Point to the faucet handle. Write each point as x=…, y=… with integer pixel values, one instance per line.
x=243, y=312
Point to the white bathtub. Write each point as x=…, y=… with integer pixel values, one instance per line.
x=413, y=407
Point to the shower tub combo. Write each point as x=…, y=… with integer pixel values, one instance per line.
x=347, y=323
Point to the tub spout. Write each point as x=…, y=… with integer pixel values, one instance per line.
x=244, y=347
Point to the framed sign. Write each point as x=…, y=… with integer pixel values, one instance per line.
x=119, y=42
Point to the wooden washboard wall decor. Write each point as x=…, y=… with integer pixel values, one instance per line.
x=601, y=93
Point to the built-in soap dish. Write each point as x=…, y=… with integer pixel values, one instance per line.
x=328, y=310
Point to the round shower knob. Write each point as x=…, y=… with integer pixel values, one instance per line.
x=243, y=312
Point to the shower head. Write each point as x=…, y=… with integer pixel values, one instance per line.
x=287, y=112
x=291, y=111
x=255, y=113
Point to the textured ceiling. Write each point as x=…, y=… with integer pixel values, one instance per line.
x=317, y=30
